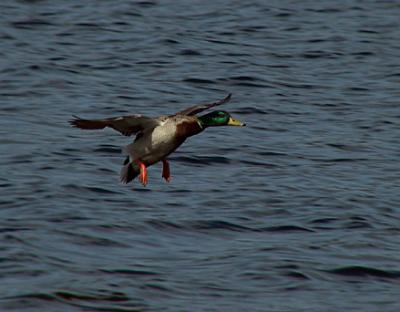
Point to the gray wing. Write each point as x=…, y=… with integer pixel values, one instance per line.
x=201, y=107
x=127, y=125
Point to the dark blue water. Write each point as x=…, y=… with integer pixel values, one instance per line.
x=299, y=211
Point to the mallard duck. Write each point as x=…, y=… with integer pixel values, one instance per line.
x=156, y=138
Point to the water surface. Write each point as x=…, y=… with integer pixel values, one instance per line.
x=296, y=212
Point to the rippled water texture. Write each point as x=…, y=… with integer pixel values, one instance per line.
x=299, y=211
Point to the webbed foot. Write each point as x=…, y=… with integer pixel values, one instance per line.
x=143, y=177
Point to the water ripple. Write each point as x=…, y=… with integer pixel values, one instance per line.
x=361, y=271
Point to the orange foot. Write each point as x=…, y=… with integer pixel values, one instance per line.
x=143, y=178
x=165, y=171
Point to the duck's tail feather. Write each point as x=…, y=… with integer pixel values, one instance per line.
x=129, y=171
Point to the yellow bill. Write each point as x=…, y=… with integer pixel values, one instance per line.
x=235, y=122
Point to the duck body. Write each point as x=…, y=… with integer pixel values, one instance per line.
x=157, y=138
x=156, y=144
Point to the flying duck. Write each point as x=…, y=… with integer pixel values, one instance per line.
x=156, y=138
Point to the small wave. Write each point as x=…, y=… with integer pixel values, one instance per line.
x=217, y=225
x=347, y=147
x=179, y=191
x=95, y=189
x=190, y=52
x=319, y=54
x=6, y=37
x=70, y=150
x=14, y=229
x=130, y=272
x=326, y=10
x=393, y=75
x=66, y=295
x=358, y=89
x=283, y=14
x=368, y=31
x=324, y=220
x=363, y=53
x=358, y=225
x=71, y=296
x=285, y=228
x=108, y=149
x=29, y=23
x=259, y=164
x=6, y=184
x=318, y=40
x=338, y=160
x=88, y=25
x=245, y=78
x=22, y=159
x=251, y=84
x=163, y=225
x=98, y=301
x=170, y=41
x=92, y=240
x=297, y=275
x=362, y=271
x=222, y=42
x=208, y=225
x=252, y=29
x=246, y=81
x=100, y=190
x=146, y=4
x=205, y=160
x=198, y=80
x=250, y=110
x=296, y=85
x=272, y=154
x=202, y=225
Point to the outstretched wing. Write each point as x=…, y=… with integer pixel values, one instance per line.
x=127, y=125
x=201, y=107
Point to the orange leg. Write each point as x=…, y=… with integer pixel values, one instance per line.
x=166, y=174
x=143, y=178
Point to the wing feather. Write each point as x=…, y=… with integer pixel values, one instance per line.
x=201, y=107
x=127, y=125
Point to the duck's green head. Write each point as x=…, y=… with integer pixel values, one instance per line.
x=219, y=118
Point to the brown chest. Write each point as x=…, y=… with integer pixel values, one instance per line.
x=187, y=128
